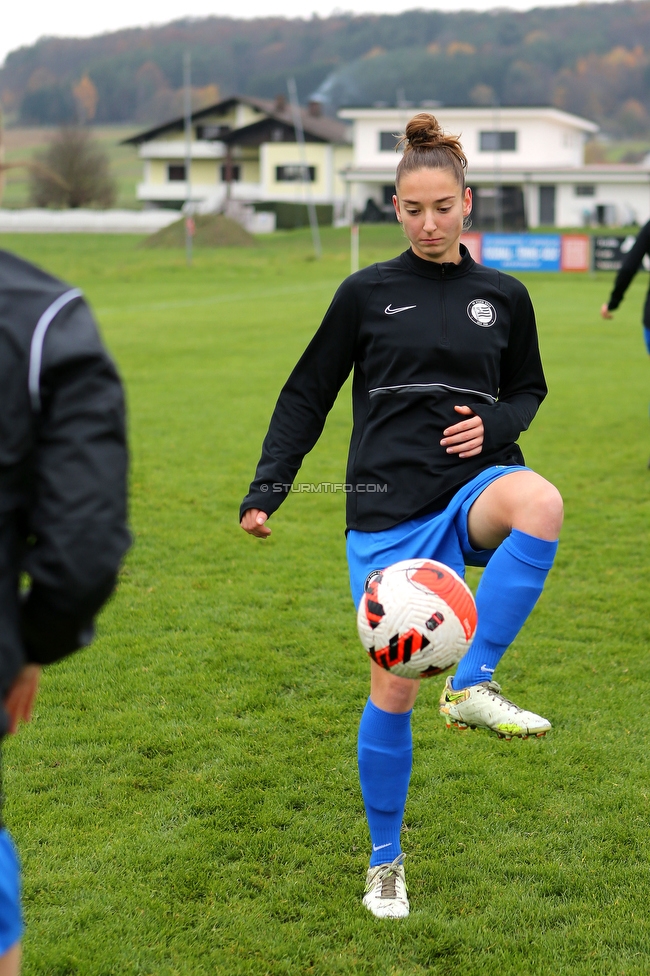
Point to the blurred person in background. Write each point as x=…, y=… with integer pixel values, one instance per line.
x=63, y=533
x=632, y=261
x=631, y=264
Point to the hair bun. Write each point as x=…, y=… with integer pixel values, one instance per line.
x=423, y=131
x=426, y=145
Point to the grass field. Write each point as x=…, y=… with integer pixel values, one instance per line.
x=186, y=799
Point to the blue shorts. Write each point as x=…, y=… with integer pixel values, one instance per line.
x=442, y=536
x=11, y=922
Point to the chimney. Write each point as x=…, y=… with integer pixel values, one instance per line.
x=280, y=103
x=315, y=108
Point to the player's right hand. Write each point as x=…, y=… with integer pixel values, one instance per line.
x=605, y=312
x=20, y=699
x=253, y=523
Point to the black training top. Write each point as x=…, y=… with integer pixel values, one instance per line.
x=63, y=463
x=422, y=337
x=631, y=264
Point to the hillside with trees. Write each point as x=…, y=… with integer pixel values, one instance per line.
x=591, y=59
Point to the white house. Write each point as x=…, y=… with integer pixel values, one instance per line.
x=526, y=167
x=245, y=150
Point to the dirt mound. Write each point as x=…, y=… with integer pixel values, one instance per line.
x=211, y=230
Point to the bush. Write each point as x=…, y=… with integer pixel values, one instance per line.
x=72, y=172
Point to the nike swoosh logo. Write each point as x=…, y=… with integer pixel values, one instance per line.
x=489, y=670
x=379, y=847
x=389, y=310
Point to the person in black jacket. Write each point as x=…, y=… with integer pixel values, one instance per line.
x=63, y=466
x=631, y=264
x=447, y=374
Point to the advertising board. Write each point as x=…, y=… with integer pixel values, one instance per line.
x=576, y=252
x=609, y=251
x=473, y=242
x=522, y=252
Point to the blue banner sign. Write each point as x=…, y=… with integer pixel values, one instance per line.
x=522, y=252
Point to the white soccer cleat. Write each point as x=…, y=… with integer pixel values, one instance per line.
x=484, y=707
x=385, y=893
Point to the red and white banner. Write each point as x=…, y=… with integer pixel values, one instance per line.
x=472, y=242
x=576, y=252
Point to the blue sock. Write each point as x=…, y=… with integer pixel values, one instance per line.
x=509, y=589
x=385, y=754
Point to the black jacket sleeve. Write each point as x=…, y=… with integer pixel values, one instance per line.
x=630, y=266
x=522, y=385
x=306, y=399
x=77, y=530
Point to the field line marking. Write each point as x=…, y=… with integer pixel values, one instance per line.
x=217, y=299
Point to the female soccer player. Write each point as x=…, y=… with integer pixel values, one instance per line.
x=447, y=374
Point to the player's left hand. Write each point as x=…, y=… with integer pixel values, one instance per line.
x=605, y=312
x=20, y=699
x=466, y=438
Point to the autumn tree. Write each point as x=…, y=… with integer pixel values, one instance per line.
x=85, y=96
x=73, y=172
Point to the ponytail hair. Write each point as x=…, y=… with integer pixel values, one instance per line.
x=426, y=146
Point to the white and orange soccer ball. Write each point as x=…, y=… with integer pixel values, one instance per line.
x=417, y=618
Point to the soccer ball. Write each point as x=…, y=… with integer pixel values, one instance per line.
x=417, y=618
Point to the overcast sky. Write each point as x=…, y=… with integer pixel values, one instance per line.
x=23, y=23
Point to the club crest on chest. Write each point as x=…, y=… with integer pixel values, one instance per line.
x=481, y=312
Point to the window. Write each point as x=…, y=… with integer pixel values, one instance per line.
x=295, y=173
x=388, y=193
x=175, y=172
x=212, y=132
x=387, y=141
x=235, y=173
x=586, y=190
x=498, y=141
x=498, y=208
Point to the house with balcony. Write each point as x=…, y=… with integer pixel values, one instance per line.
x=526, y=167
x=245, y=150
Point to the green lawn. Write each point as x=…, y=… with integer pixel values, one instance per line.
x=186, y=800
